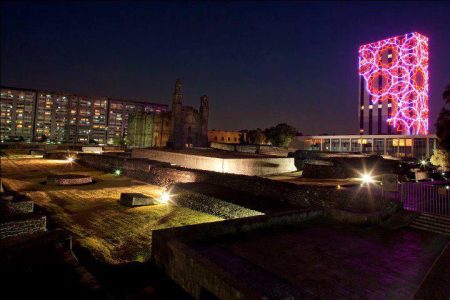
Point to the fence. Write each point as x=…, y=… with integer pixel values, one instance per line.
x=429, y=197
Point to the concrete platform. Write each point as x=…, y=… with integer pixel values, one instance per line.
x=220, y=161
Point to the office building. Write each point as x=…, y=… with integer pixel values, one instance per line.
x=393, y=86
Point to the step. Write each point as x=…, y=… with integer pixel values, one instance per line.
x=433, y=220
x=431, y=230
x=443, y=218
x=431, y=225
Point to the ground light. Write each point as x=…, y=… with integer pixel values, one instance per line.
x=70, y=159
x=117, y=172
x=165, y=197
x=423, y=162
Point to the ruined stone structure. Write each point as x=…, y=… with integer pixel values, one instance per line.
x=182, y=127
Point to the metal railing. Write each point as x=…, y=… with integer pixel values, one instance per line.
x=429, y=197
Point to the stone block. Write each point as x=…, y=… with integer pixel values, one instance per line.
x=136, y=199
x=23, y=207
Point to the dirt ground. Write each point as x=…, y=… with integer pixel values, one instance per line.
x=112, y=232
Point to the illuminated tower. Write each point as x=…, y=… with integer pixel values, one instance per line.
x=393, y=86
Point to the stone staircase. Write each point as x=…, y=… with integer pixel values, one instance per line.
x=428, y=222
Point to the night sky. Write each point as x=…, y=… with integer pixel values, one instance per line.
x=260, y=63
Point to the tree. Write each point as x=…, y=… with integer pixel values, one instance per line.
x=256, y=136
x=280, y=135
x=440, y=158
x=443, y=122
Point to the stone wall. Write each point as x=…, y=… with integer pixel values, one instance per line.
x=22, y=207
x=210, y=205
x=163, y=174
x=245, y=166
x=260, y=149
x=22, y=225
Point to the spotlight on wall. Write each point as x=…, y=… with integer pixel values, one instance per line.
x=367, y=178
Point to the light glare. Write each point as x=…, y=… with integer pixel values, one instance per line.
x=367, y=178
x=165, y=197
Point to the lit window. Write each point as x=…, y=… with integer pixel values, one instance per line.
x=362, y=107
x=370, y=106
x=380, y=106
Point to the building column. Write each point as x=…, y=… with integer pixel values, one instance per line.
x=321, y=145
x=384, y=146
x=372, y=143
x=428, y=148
x=340, y=145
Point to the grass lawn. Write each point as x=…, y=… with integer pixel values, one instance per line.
x=112, y=232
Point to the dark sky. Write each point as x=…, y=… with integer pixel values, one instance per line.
x=261, y=63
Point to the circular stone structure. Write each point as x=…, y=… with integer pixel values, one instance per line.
x=68, y=179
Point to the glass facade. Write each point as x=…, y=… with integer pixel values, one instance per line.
x=404, y=146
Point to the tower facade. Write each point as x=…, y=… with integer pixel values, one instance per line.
x=204, y=114
x=177, y=117
x=393, y=86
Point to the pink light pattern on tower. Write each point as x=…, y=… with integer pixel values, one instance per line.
x=402, y=63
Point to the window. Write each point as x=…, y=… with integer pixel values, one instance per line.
x=228, y=138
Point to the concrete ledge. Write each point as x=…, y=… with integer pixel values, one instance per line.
x=355, y=218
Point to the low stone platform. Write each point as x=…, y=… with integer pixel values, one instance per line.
x=136, y=199
x=17, y=205
x=68, y=179
x=25, y=224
